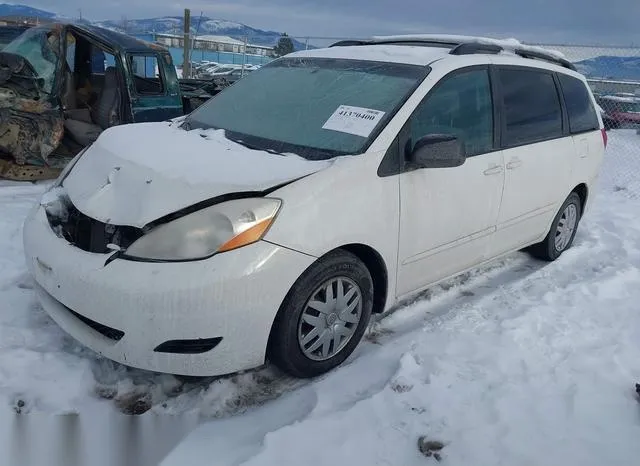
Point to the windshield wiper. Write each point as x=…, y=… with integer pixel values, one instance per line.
x=250, y=146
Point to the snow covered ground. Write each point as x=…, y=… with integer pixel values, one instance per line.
x=517, y=363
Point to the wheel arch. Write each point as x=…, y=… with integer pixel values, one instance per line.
x=378, y=270
x=582, y=190
x=377, y=267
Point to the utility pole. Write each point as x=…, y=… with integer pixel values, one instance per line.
x=244, y=57
x=186, y=65
x=195, y=37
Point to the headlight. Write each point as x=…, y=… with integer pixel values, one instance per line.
x=212, y=230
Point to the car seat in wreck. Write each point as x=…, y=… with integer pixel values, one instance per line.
x=84, y=125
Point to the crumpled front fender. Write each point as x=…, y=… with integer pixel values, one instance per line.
x=29, y=129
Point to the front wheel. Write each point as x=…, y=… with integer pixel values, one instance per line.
x=562, y=232
x=323, y=317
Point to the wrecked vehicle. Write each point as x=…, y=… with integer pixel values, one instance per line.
x=62, y=84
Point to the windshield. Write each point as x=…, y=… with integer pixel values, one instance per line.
x=41, y=48
x=317, y=108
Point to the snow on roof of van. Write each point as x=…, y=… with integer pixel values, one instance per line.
x=413, y=55
x=378, y=50
x=507, y=44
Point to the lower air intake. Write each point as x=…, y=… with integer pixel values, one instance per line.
x=198, y=346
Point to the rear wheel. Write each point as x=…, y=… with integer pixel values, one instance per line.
x=562, y=232
x=323, y=317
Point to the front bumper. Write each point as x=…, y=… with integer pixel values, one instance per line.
x=234, y=296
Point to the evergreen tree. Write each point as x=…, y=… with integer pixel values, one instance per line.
x=285, y=46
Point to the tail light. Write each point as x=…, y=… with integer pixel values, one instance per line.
x=605, y=137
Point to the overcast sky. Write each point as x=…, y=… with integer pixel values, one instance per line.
x=574, y=21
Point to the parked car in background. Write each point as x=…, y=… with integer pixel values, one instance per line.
x=234, y=75
x=231, y=72
x=621, y=111
x=200, y=67
x=206, y=71
x=328, y=186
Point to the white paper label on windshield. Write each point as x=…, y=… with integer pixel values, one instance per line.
x=354, y=120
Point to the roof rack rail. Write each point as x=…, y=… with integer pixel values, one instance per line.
x=347, y=43
x=540, y=55
x=469, y=48
x=464, y=45
x=419, y=43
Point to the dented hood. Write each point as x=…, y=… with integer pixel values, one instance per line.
x=134, y=174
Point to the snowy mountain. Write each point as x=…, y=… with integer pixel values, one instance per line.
x=625, y=68
x=165, y=24
x=7, y=9
x=201, y=26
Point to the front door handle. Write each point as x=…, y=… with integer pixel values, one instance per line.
x=515, y=163
x=494, y=170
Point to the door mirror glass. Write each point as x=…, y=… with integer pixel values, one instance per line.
x=437, y=151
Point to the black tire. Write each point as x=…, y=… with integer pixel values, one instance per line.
x=284, y=349
x=546, y=250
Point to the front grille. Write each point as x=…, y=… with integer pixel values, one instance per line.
x=109, y=332
x=87, y=233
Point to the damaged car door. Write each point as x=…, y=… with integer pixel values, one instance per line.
x=153, y=87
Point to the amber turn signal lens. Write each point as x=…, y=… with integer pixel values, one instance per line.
x=248, y=236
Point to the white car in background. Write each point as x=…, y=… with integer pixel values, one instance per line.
x=221, y=70
x=274, y=220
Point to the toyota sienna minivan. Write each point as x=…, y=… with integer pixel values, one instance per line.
x=327, y=186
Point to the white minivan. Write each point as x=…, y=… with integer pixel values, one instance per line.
x=270, y=223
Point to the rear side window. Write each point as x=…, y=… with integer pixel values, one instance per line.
x=582, y=115
x=531, y=106
x=146, y=75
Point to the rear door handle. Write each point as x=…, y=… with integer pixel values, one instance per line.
x=514, y=164
x=495, y=170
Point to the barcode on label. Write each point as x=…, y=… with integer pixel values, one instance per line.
x=354, y=120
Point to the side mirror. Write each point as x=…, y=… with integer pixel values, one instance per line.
x=437, y=151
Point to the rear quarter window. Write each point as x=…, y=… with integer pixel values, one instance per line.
x=582, y=114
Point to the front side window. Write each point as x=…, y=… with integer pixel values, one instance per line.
x=460, y=106
x=531, y=106
x=317, y=108
x=582, y=114
x=147, y=78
